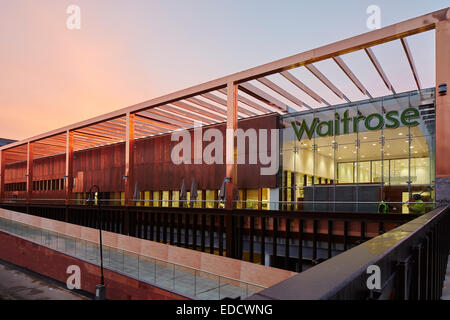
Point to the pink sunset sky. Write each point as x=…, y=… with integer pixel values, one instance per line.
x=127, y=52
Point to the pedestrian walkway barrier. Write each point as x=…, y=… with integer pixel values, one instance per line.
x=174, y=277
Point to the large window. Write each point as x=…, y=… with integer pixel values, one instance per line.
x=356, y=155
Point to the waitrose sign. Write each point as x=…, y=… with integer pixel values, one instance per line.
x=345, y=124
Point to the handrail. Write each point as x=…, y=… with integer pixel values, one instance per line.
x=291, y=214
x=254, y=231
x=139, y=254
x=18, y=200
x=345, y=275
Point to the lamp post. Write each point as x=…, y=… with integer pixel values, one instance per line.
x=100, y=289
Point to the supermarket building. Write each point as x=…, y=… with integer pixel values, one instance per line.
x=343, y=144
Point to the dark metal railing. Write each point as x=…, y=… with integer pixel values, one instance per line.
x=412, y=261
x=292, y=240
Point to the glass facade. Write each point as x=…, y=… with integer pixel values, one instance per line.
x=350, y=157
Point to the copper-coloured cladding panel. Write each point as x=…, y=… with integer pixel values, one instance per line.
x=259, y=94
x=351, y=75
x=379, y=69
x=299, y=104
x=411, y=62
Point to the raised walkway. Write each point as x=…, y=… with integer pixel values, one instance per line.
x=144, y=260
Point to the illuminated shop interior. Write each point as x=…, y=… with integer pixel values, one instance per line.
x=400, y=161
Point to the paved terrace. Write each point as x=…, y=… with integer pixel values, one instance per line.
x=176, y=277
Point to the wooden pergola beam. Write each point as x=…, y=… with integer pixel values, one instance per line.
x=262, y=96
x=69, y=166
x=248, y=102
x=2, y=174
x=129, y=159
x=208, y=105
x=103, y=133
x=223, y=102
x=379, y=69
x=30, y=157
x=283, y=93
x=296, y=82
x=231, y=163
x=411, y=62
x=319, y=75
x=154, y=124
x=194, y=109
x=169, y=118
x=351, y=76
x=442, y=44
